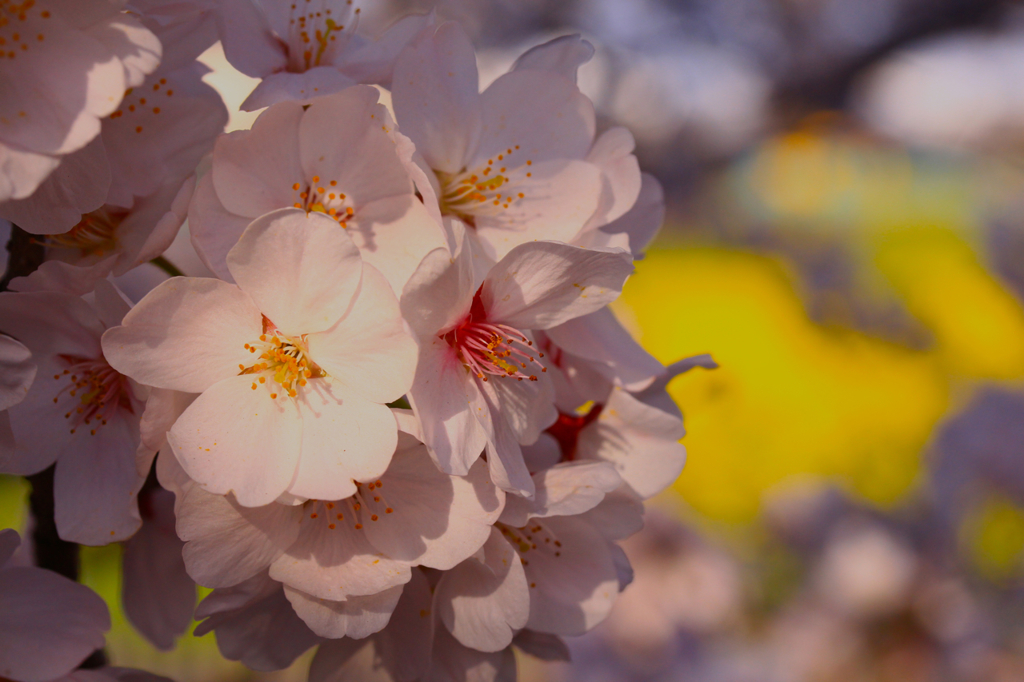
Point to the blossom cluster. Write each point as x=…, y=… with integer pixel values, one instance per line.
x=399, y=413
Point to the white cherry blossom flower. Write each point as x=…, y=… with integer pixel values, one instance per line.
x=517, y=162
x=480, y=383
x=336, y=157
x=550, y=565
x=307, y=48
x=342, y=562
x=80, y=412
x=48, y=624
x=65, y=66
x=294, y=364
x=17, y=371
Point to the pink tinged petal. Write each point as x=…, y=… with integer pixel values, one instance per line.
x=567, y=489
x=426, y=517
x=132, y=43
x=563, y=56
x=151, y=229
x=435, y=95
x=446, y=399
x=613, y=154
x=485, y=599
x=226, y=543
x=157, y=592
x=558, y=201
x=97, y=482
x=404, y=646
x=373, y=61
x=299, y=269
x=643, y=221
x=528, y=406
x=249, y=44
x=49, y=323
x=286, y=86
x=641, y=441
x=212, y=228
x=504, y=456
x=237, y=439
x=48, y=624
x=356, y=617
x=454, y=662
x=440, y=291
x=543, y=284
x=79, y=185
x=394, y=235
x=543, y=454
x=541, y=645
x=16, y=372
x=331, y=663
x=57, y=276
x=346, y=139
x=255, y=624
x=619, y=515
x=163, y=407
x=344, y=437
x=186, y=335
x=337, y=563
x=254, y=170
x=574, y=591
x=543, y=113
x=9, y=542
x=22, y=172
x=600, y=337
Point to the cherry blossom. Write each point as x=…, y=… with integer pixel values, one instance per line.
x=480, y=383
x=50, y=112
x=308, y=48
x=301, y=355
x=80, y=412
x=48, y=624
x=17, y=371
x=337, y=157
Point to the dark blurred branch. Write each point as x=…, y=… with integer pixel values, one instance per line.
x=25, y=255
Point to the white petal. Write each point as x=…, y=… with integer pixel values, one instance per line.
x=562, y=55
x=368, y=352
x=613, y=154
x=299, y=269
x=227, y=543
x=573, y=591
x=16, y=371
x=454, y=662
x=542, y=645
x=213, y=229
x=564, y=490
x=644, y=219
x=332, y=658
x=484, y=600
x=440, y=291
x=234, y=438
x=446, y=399
x=286, y=86
x=356, y=617
x=343, y=438
x=187, y=334
x=21, y=172
x=542, y=284
x=48, y=624
x=504, y=456
x=249, y=44
x=435, y=95
x=404, y=646
x=435, y=520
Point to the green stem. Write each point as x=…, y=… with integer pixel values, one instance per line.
x=167, y=266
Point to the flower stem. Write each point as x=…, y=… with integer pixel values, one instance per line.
x=167, y=266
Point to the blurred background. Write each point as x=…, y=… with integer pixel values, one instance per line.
x=845, y=234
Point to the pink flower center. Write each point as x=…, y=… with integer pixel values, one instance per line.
x=98, y=389
x=566, y=430
x=95, y=234
x=490, y=349
x=323, y=196
x=485, y=191
x=284, y=360
x=313, y=33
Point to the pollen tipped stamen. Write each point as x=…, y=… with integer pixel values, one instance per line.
x=488, y=349
x=285, y=361
x=99, y=390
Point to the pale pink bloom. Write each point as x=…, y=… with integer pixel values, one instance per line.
x=550, y=564
x=517, y=162
x=17, y=372
x=80, y=412
x=123, y=193
x=158, y=595
x=481, y=383
x=307, y=49
x=337, y=158
x=48, y=624
x=68, y=67
x=343, y=562
x=294, y=363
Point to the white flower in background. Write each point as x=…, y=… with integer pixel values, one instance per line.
x=337, y=158
x=294, y=364
x=343, y=561
x=80, y=412
x=47, y=112
x=480, y=382
x=48, y=624
x=307, y=48
x=517, y=162
x=17, y=372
